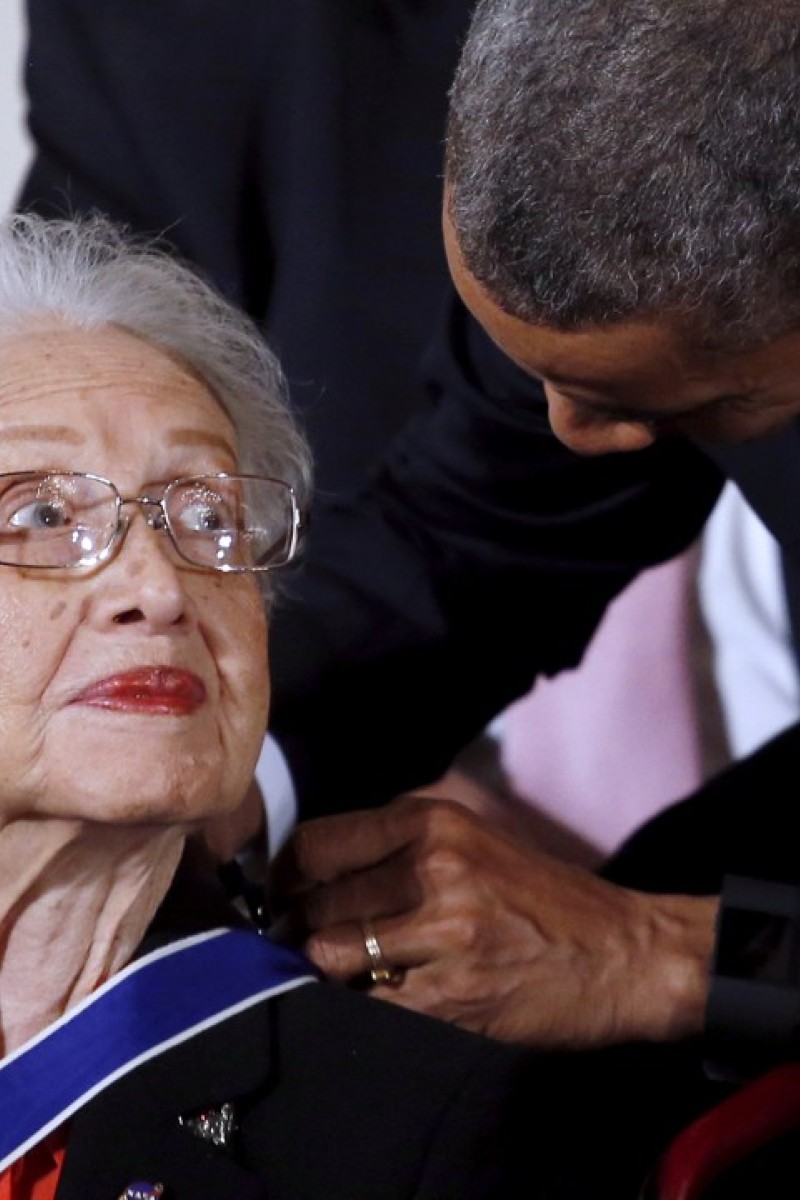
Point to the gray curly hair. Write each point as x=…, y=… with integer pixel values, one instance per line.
x=611, y=159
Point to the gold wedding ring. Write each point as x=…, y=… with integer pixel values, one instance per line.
x=380, y=971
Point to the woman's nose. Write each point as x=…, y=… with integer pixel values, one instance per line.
x=588, y=432
x=143, y=583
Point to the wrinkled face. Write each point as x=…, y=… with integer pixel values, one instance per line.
x=620, y=387
x=137, y=691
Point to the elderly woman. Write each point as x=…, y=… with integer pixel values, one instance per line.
x=153, y=1045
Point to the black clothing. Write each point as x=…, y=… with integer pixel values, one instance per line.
x=290, y=148
x=336, y=1095
x=483, y=554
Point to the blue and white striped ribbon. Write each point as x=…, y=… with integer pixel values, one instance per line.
x=157, y=1002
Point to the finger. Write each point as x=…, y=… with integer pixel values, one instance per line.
x=322, y=849
x=388, y=889
x=340, y=951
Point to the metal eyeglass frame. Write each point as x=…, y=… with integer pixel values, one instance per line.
x=155, y=514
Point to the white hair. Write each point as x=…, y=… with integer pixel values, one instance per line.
x=89, y=273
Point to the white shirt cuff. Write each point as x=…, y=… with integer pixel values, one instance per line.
x=277, y=791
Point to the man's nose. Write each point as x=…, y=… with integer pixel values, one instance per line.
x=586, y=432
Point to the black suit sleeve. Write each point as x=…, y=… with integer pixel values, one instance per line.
x=483, y=554
x=742, y=821
x=737, y=836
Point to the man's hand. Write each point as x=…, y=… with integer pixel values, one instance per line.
x=492, y=934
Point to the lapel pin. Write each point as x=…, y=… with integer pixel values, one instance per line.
x=216, y=1125
x=143, y=1191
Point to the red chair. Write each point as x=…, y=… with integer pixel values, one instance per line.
x=760, y=1112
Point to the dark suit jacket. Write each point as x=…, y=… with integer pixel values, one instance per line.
x=338, y=1095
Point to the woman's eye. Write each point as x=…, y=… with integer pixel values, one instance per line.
x=40, y=514
x=203, y=517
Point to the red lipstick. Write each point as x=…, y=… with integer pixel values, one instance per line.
x=160, y=691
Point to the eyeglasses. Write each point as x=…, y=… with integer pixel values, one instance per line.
x=65, y=519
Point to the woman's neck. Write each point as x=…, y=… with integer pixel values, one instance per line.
x=75, y=901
